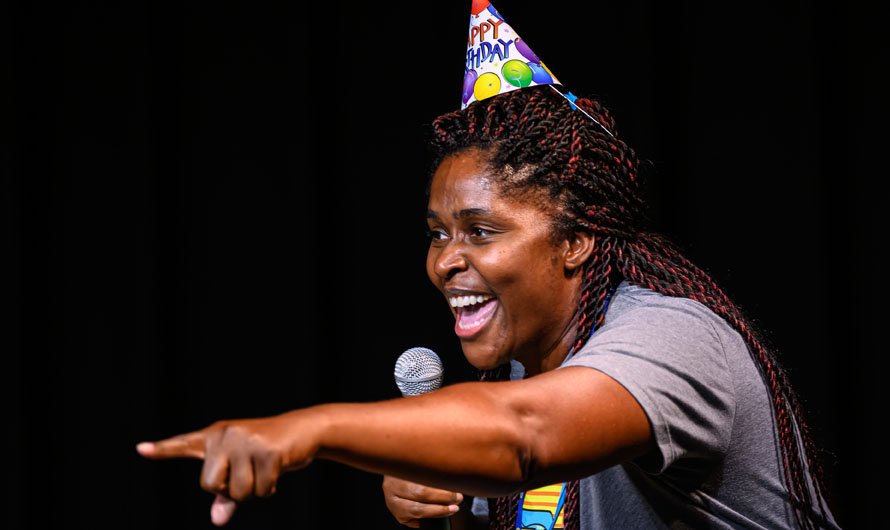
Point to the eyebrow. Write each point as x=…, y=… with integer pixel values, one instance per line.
x=466, y=212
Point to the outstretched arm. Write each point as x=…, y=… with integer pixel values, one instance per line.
x=485, y=439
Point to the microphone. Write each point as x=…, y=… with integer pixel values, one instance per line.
x=418, y=371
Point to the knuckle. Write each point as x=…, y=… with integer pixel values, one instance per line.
x=402, y=519
x=218, y=425
x=393, y=502
x=389, y=487
x=266, y=490
x=263, y=451
x=418, y=491
x=269, y=491
x=399, y=512
x=415, y=509
x=207, y=485
x=227, y=431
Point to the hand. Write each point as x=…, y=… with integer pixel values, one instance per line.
x=410, y=502
x=242, y=458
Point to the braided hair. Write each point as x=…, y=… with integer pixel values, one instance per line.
x=535, y=141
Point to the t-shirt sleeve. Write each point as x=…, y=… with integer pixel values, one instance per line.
x=669, y=356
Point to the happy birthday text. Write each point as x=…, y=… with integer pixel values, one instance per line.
x=488, y=51
x=483, y=28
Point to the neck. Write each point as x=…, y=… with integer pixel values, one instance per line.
x=552, y=356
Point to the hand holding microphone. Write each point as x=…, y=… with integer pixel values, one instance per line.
x=418, y=371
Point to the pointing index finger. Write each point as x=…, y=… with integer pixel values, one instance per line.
x=189, y=445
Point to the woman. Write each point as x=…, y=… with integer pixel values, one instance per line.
x=647, y=394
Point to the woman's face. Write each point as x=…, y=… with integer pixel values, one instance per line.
x=511, y=289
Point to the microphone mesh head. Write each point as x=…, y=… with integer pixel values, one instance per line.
x=418, y=371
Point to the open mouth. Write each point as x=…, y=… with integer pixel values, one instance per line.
x=473, y=312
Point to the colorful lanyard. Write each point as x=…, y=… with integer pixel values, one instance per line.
x=542, y=508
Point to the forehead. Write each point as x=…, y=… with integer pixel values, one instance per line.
x=463, y=185
x=460, y=179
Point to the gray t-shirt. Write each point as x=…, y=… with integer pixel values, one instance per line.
x=718, y=463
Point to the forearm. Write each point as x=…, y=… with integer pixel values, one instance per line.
x=463, y=438
x=482, y=439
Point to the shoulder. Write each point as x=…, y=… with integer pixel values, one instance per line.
x=662, y=325
x=671, y=354
x=635, y=305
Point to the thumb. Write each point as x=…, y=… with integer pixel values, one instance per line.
x=222, y=510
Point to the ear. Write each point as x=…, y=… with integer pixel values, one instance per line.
x=578, y=249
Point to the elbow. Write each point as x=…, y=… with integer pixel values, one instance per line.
x=525, y=459
x=524, y=456
x=516, y=447
x=531, y=449
x=512, y=473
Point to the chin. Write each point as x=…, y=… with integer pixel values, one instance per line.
x=483, y=358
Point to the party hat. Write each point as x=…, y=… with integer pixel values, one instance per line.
x=498, y=60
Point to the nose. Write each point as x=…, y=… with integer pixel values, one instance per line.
x=450, y=260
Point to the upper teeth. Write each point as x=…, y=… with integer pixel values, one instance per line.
x=461, y=301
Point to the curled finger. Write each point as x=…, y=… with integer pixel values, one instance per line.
x=215, y=474
x=418, y=492
x=240, y=477
x=409, y=512
x=266, y=469
x=429, y=495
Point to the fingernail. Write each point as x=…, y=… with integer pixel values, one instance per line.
x=453, y=508
x=460, y=498
x=144, y=448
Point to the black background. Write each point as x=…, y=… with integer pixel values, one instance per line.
x=212, y=212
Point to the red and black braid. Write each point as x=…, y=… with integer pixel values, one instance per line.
x=594, y=178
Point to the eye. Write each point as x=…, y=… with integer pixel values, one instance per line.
x=436, y=234
x=481, y=231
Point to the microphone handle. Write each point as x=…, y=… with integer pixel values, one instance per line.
x=436, y=524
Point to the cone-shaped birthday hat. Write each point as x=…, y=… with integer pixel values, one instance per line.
x=498, y=60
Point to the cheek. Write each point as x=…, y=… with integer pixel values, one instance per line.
x=497, y=272
x=431, y=257
x=538, y=281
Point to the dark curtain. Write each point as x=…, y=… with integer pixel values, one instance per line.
x=213, y=212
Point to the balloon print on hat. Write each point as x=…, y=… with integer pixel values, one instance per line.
x=517, y=73
x=486, y=86
x=469, y=82
x=540, y=75
x=479, y=6
x=526, y=52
